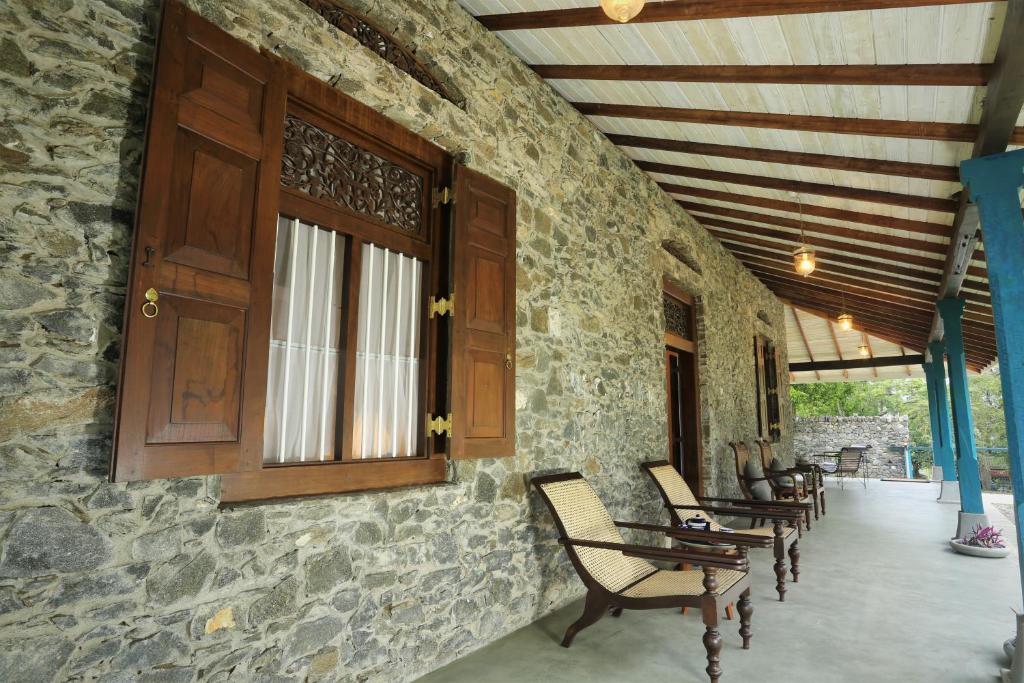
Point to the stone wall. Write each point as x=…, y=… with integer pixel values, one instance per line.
x=819, y=434
x=156, y=580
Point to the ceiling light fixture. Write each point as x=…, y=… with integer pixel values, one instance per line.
x=845, y=320
x=803, y=256
x=622, y=10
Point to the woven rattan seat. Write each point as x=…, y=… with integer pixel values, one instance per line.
x=619, y=575
x=683, y=504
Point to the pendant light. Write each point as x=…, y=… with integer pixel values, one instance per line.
x=622, y=10
x=803, y=256
x=864, y=350
x=844, y=319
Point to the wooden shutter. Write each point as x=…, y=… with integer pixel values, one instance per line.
x=204, y=242
x=483, y=328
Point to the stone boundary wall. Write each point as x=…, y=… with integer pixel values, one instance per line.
x=156, y=580
x=817, y=434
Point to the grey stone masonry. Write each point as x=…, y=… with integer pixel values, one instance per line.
x=157, y=581
x=819, y=434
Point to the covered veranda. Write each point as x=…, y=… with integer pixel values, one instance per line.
x=882, y=598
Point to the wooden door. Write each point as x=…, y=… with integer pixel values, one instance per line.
x=683, y=416
x=483, y=326
x=194, y=342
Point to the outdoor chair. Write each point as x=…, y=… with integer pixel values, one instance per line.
x=619, y=576
x=682, y=503
x=848, y=462
x=810, y=475
x=760, y=489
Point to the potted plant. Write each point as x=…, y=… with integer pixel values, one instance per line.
x=983, y=541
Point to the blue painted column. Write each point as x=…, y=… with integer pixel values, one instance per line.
x=938, y=411
x=952, y=311
x=993, y=182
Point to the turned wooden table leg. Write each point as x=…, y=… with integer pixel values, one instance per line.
x=794, y=561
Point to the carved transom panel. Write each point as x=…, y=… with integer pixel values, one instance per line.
x=677, y=317
x=325, y=166
x=373, y=38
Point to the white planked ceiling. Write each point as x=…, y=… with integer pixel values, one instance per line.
x=946, y=34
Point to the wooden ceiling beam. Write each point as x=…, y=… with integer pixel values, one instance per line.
x=819, y=228
x=871, y=353
x=890, y=128
x=800, y=74
x=837, y=257
x=776, y=156
x=825, y=243
x=856, y=364
x=923, y=227
x=802, y=187
x=852, y=276
x=977, y=322
x=690, y=10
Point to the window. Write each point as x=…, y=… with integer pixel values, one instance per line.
x=285, y=325
x=766, y=379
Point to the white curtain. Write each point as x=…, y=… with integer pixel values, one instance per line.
x=387, y=355
x=305, y=332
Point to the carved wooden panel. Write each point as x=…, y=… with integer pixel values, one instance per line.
x=678, y=317
x=379, y=42
x=328, y=167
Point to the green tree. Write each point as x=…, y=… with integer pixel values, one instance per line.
x=904, y=397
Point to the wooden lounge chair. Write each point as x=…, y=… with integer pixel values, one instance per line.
x=619, y=576
x=811, y=475
x=848, y=462
x=682, y=504
x=753, y=489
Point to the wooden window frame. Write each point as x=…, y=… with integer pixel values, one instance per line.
x=314, y=102
x=678, y=343
x=269, y=126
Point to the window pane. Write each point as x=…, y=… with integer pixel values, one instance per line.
x=387, y=355
x=304, y=338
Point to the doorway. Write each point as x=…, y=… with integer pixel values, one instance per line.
x=681, y=386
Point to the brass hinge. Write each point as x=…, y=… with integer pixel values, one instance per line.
x=439, y=425
x=443, y=195
x=441, y=306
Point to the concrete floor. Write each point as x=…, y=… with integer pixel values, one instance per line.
x=881, y=598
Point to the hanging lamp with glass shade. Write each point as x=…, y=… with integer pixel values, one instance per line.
x=803, y=256
x=864, y=350
x=844, y=319
x=622, y=10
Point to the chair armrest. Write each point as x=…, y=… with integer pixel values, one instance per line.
x=668, y=554
x=730, y=537
x=751, y=502
x=770, y=513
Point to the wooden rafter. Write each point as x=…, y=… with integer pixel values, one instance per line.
x=890, y=128
x=776, y=156
x=871, y=352
x=853, y=364
x=820, y=228
x=803, y=336
x=919, y=308
x=803, y=187
x=903, y=352
x=827, y=74
x=862, y=283
x=882, y=253
x=835, y=340
x=923, y=227
x=692, y=10
x=828, y=272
